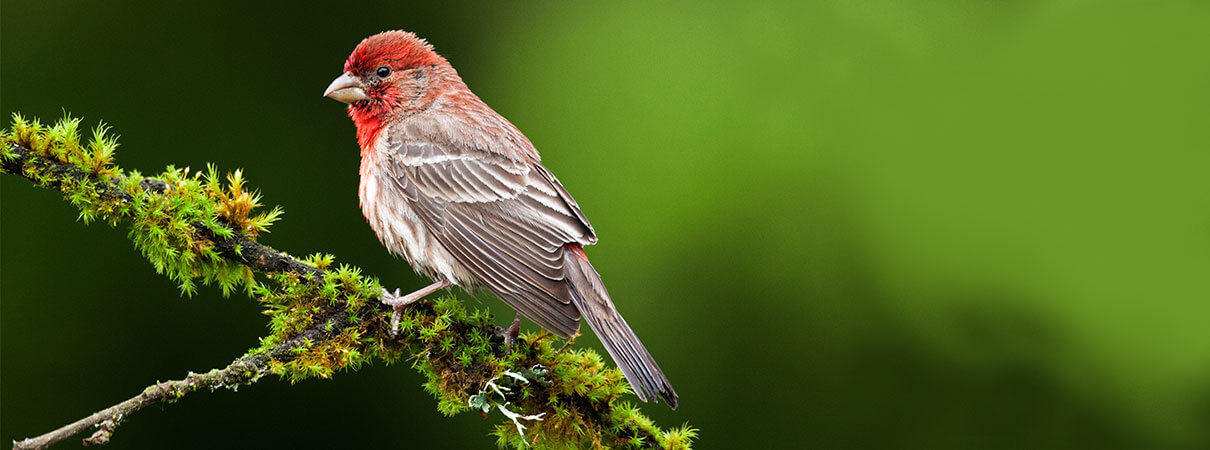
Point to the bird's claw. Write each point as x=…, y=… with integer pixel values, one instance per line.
x=511, y=333
x=397, y=303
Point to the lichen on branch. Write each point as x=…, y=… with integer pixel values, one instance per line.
x=325, y=317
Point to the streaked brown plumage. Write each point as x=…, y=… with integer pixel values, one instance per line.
x=459, y=192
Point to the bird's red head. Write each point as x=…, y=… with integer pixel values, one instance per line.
x=397, y=50
x=377, y=79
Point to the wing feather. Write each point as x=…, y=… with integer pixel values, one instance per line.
x=505, y=220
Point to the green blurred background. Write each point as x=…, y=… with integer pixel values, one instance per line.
x=837, y=224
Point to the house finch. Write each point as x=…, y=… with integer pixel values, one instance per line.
x=459, y=192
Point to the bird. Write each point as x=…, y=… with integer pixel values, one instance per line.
x=460, y=193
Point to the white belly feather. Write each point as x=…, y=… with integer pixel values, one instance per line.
x=397, y=226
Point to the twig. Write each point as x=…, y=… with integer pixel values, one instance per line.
x=242, y=371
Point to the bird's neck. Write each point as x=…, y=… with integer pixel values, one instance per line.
x=367, y=131
x=402, y=98
x=370, y=117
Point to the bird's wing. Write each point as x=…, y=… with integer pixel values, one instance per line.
x=506, y=220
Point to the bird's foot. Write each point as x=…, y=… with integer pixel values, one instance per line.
x=511, y=333
x=397, y=302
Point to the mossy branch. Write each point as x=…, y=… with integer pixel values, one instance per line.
x=324, y=317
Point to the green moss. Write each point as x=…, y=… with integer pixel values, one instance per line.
x=163, y=226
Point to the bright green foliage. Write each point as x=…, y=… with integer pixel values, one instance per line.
x=296, y=306
x=564, y=398
x=167, y=227
x=235, y=204
x=62, y=141
x=163, y=227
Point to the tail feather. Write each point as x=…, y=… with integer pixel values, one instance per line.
x=590, y=297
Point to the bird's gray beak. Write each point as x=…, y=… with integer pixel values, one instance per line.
x=346, y=89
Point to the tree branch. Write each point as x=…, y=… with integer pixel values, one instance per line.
x=243, y=371
x=324, y=318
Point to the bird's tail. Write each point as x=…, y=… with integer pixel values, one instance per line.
x=590, y=297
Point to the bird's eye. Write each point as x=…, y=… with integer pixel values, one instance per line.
x=383, y=71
